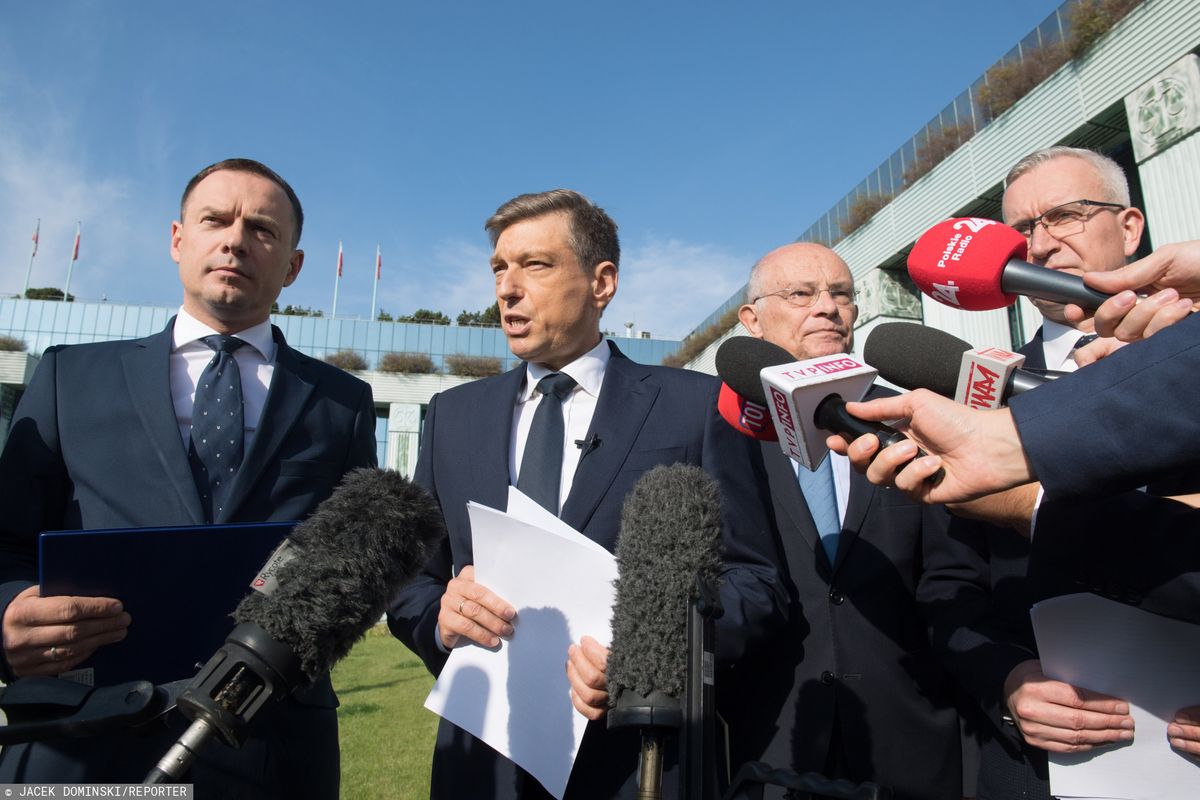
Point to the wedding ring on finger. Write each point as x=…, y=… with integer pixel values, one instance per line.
x=461, y=603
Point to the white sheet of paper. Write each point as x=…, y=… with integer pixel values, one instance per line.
x=1148, y=660
x=522, y=507
x=516, y=697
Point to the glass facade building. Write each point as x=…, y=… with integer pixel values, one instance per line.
x=44, y=323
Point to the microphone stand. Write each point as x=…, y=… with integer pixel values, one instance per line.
x=698, y=759
x=39, y=708
x=693, y=717
x=250, y=670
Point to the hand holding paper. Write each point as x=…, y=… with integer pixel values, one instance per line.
x=469, y=609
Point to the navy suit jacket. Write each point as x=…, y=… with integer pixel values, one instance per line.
x=645, y=416
x=1121, y=423
x=95, y=444
x=856, y=655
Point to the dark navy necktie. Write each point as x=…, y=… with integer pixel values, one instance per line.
x=541, y=464
x=217, y=426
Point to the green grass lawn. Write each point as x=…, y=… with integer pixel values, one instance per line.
x=386, y=733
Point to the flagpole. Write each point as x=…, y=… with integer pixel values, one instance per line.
x=337, y=280
x=375, y=288
x=74, y=257
x=32, y=253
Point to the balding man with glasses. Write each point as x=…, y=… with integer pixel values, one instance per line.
x=853, y=689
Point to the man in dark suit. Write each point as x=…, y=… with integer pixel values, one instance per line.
x=555, y=264
x=1073, y=207
x=853, y=690
x=105, y=436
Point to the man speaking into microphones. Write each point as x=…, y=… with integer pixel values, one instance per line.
x=574, y=426
x=853, y=690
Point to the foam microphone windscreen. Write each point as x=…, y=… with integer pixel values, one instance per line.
x=740, y=359
x=670, y=532
x=916, y=357
x=960, y=262
x=368, y=538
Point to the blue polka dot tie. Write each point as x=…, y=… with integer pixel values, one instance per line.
x=217, y=426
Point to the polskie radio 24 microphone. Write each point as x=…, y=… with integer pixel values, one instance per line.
x=978, y=264
x=325, y=586
x=805, y=398
x=670, y=543
x=917, y=357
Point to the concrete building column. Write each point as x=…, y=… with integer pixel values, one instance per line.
x=1164, y=117
x=403, y=437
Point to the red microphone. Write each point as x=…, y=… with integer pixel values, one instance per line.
x=747, y=417
x=978, y=264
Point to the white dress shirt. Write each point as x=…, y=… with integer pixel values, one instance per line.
x=1058, y=342
x=189, y=357
x=578, y=410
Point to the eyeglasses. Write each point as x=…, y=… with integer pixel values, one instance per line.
x=806, y=296
x=1064, y=220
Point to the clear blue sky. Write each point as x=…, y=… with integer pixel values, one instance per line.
x=711, y=131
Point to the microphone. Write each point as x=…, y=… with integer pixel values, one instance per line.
x=747, y=417
x=668, y=560
x=317, y=595
x=916, y=357
x=978, y=265
x=806, y=397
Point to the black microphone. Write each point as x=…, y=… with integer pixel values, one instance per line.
x=917, y=357
x=318, y=594
x=670, y=543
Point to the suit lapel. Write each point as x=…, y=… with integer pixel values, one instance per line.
x=490, y=432
x=291, y=385
x=862, y=492
x=147, y=369
x=626, y=398
x=785, y=489
x=1035, y=354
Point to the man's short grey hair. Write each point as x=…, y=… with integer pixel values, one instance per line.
x=1112, y=177
x=754, y=286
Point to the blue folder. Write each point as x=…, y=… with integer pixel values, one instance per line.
x=179, y=585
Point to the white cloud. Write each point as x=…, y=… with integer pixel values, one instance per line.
x=668, y=286
x=44, y=174
x=453, y=278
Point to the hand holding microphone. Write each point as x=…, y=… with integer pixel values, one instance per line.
x=1172, y=273
x=978, y=264
x=807, y=398
x=979, y=450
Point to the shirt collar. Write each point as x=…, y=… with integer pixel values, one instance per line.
x=1058, y=341
x=587, y=370
x=188, y=329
